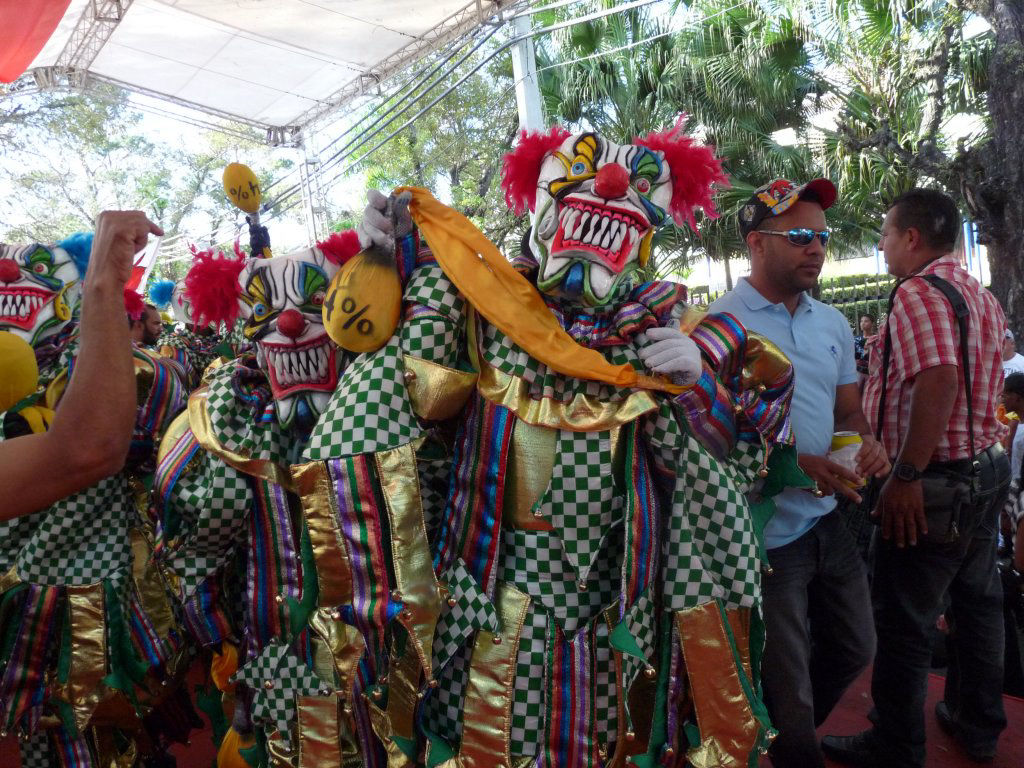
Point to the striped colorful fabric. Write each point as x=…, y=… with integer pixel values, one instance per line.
x=361, y=521
x=71, y=751
x=640, y=560
x=273, y=565
x=23, y=681
x=172, y=465
x=471, y=524
x=147, y=641
x=166, y=397
x=569, y=731
x=203, y=615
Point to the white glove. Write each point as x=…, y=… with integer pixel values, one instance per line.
x=673, y=353
x=384, y=220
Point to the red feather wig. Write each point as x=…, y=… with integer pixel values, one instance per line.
x=340, y=246
x=520, y=168
x=212, y=287
x=694, y=169
x=134, y=305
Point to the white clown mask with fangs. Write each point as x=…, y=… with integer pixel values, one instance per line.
x=283, y=297
x=40, y=288
x=598, y=206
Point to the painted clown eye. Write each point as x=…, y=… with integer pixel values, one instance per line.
x=259, y=309
x=317, y=299
x=643, y=186
x=578, y=168
x=39, y=268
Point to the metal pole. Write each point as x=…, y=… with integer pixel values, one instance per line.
x=524, y=70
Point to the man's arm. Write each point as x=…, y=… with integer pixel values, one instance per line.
x=901, y=504
x=92, y=428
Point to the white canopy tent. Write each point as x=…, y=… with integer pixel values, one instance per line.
x=278, y=65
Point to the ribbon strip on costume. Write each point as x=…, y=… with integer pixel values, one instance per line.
x=488, y=695
x=273, y=564
x=416, y=586
x=24, y=677
x=721, y=693
x=471, y=527
x=509, y=301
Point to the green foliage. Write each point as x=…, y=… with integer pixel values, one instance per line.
x=71, y=156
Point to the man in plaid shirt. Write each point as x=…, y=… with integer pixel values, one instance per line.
x=925, y=429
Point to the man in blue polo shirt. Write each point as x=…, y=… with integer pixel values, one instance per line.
x=817, y=608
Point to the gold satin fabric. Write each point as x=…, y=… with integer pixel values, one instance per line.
x=199, y=421
x=436, y=391
x=411, y=559
x=508, y=300
x=488, y=698
x=318, y=731
x=581, y=414
x=333, y=570
x=727, y=726
x=531, y=461
x=86, y=606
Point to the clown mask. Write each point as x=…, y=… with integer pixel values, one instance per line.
x=39, y=290
x=181, y=306
x=598, y=203
x=283, y=297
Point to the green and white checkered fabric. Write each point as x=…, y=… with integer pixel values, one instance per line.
x=429, y=335
x=13, y=534
x=528, y=714
x=581, y=503
x=745, y=461
x=369, y=411
x=237, y=428
x=641, y=623
x=442, y=710
x=213, y=500
x=534, y=562
x=502, y=353
x=458, y=624
x=711, y=549
x=434, y=475
x=275, y=705
x=429, y=287
x=605, y=696
x=83, y=538
x=35, y=750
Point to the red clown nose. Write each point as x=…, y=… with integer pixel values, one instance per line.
x=9, y=271
x=291, y=323
x=612, y=181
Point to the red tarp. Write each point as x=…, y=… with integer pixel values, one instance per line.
x=25, y=26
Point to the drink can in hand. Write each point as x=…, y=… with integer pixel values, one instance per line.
x=844, y=449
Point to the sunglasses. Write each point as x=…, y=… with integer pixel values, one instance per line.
x=800, y=236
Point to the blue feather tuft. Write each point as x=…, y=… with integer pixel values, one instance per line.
x=79, y=246
x=160, y=293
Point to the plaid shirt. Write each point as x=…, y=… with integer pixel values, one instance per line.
x=925, y=335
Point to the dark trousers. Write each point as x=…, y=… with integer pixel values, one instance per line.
x=819, y=635
x=908, y=589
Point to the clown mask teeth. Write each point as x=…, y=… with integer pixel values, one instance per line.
x=20, y=306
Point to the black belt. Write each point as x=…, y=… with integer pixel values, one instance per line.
x=966, y=466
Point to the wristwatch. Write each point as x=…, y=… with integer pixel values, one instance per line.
x=906, y=472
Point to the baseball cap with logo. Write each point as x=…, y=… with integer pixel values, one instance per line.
x=776, y=197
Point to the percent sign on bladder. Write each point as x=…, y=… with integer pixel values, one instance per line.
x=364, y=325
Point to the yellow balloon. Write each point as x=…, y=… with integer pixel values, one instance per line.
x=19, y=374
x=242, y=187
x=363, y=303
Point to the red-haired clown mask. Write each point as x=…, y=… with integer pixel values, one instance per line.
x=40, y=289
x=283, y=297
x=598, y=206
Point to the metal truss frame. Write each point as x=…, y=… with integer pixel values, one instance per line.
x=101, y=17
